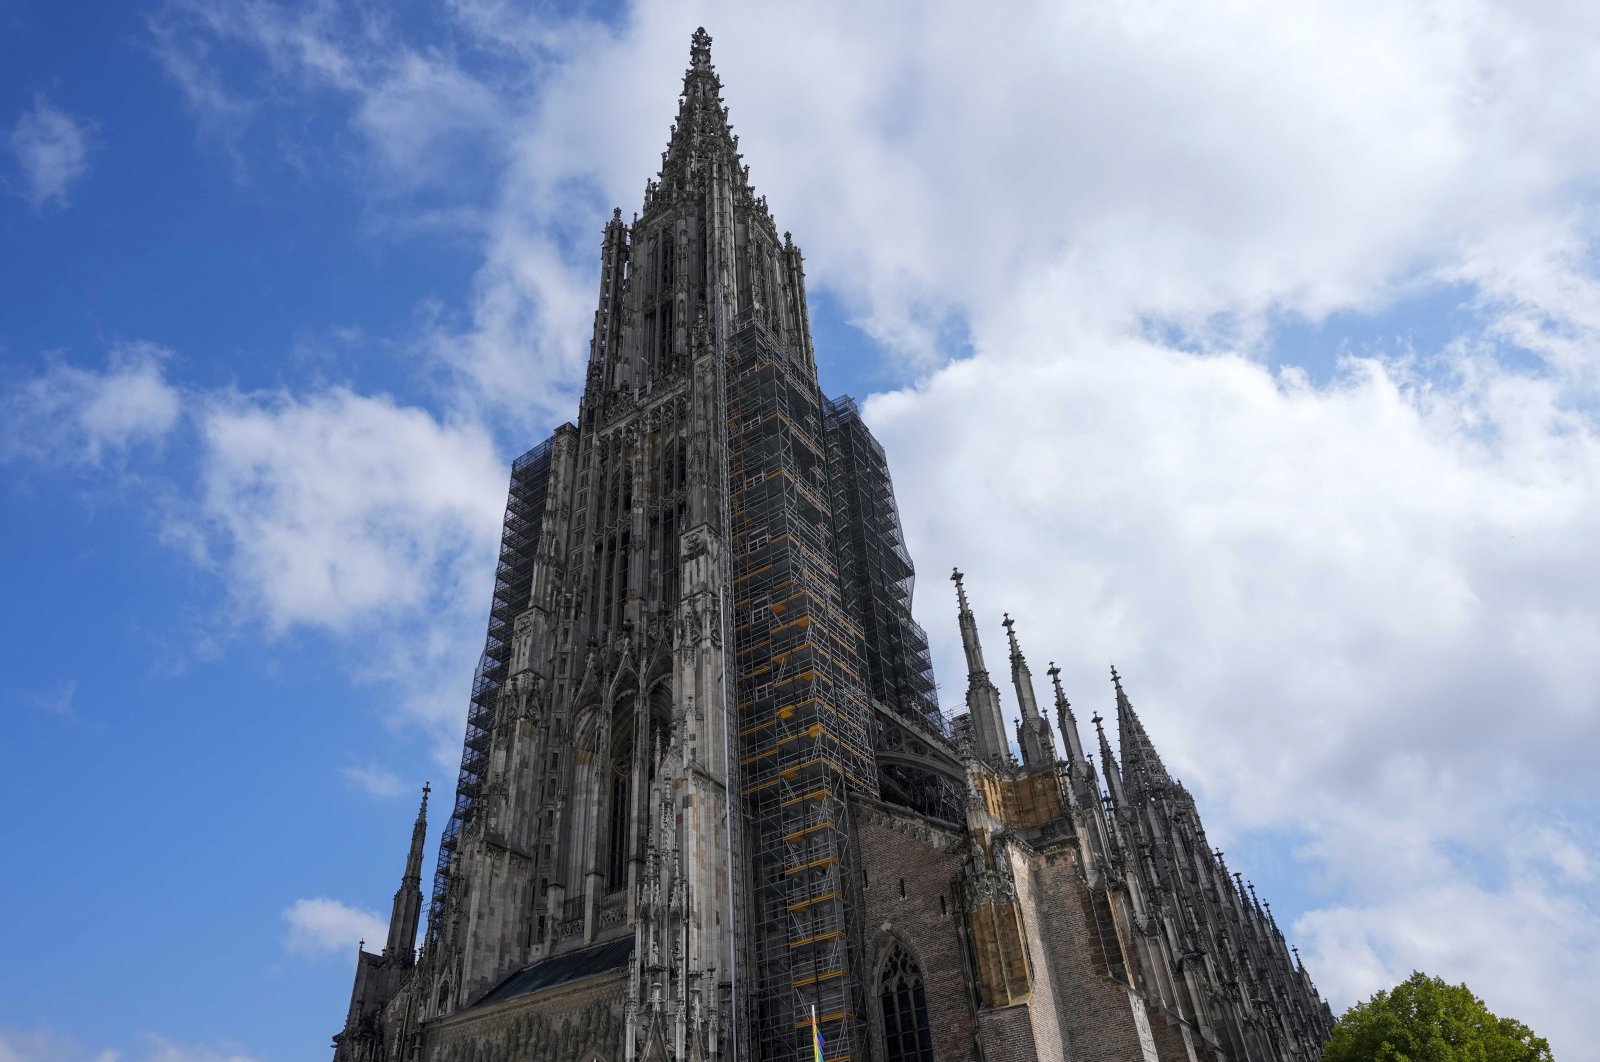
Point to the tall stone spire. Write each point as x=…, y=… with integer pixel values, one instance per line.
x=1038, y=747
x=1067, y=721
x=1108, y=763
x=701, y=115
x=983, y=700
x=407, y=911
x=1142, y=768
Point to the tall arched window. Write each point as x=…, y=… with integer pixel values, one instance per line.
x=617, y=833
x=906, y=1035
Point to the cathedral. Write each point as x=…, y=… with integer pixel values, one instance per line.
x=709, y=807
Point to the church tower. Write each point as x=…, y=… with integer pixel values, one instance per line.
x=709, y=808
x=672, y=710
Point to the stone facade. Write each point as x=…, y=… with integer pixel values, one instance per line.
x=707, y=802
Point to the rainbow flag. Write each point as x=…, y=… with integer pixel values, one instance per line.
x=816, y=1037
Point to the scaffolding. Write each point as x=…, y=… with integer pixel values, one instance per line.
x=875, y=570
x=513, y=583
x=805, y=723
x=876, y=578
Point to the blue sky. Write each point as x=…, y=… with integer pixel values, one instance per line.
x=1252, y=351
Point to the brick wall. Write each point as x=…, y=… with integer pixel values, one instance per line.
x=911, y=867
x=1096, y=1019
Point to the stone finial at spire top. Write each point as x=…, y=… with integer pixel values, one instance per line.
x=700, y=50
x=961, y=590
x=1011, y=635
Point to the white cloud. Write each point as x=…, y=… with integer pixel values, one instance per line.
x=374, y=780
x=44, y=1045
x=321, y=926
x=52, y=153
x=336, y=508
x=368, y=520
x=73, y=415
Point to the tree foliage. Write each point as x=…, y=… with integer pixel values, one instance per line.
x=1422, y=1019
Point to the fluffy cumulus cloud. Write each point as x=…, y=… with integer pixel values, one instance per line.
x=336, y=507
x=1352, y=589
x=51, y=152
x=320, y=926
x=75, y=415
x=367, y=520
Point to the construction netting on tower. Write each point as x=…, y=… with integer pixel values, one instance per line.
x=875, y=571
x=519, y=543
x=803, y=714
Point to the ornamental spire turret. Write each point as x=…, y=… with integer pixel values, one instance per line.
x=1038, y=747
x=702, y=127
x=406, y=914
x=1067, y=721
x=1142, y=768
x=983, y=700
x=1108, y=763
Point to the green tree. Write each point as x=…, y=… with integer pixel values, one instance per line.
x=1422, y=1019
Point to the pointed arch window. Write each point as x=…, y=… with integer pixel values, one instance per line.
x=617, y=831
x=906, y=1033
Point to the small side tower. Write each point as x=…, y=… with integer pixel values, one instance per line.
x=983, y=700
x=380, y=977
x=406, y=914
x=1038, y=747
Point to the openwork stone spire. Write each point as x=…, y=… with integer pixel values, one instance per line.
x=1142, y=769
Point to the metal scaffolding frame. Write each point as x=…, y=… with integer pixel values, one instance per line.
x=513, y=583
x=804, y=718
x=875, y=570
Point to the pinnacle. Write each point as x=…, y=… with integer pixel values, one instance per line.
x=700, y=50
x=1011, y=636
x=1140, y=761
x=701, y=128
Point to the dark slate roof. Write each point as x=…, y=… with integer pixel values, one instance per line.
x=586, y=962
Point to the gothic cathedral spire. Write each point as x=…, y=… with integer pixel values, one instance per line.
x=983, y=700
x=407, y=911
x=1038, y=747
x=1142, y=769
